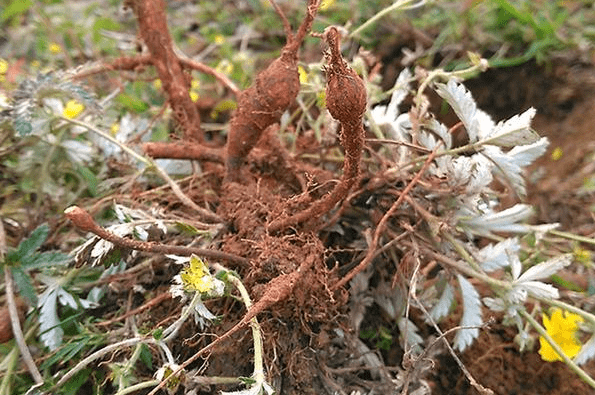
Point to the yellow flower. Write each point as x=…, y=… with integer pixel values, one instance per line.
x=582, y=255
x=196, y=277
x=303, y=75
x=556, y=153
x=326, y=4
x=224, y=67
x=194, y=84
x=219, y=39
x=193, y=96
x=3, y=66
x=55, y=48
x=562, y=327
x=72, y=109
x=157, y=83
x=115, y=128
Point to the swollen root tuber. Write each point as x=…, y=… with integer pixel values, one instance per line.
x=346, y=102
x=262, y=104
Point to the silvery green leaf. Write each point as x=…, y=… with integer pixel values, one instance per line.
x=541, y=230
x=67, y=299
x=524, y=155
x=515, y=267
x=517, y=295
x=141, y=233
x=514, y=131
x=503, y=221
x=441, y=131
x=471, y=315
x=49, y=325
x=587, y=352
x=494, y=304
x=78, y=151
x=463, y=104
x=427, y=140
x=409, y=333
x=510, y=165
x=546, y=269
x=496, y=256
x=202, y=315
x=506, y=168
x=442, y=307
x=539, y=289
x=481, y=175
x=401, y=90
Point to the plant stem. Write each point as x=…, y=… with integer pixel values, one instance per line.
x=16, y=327
x=571, y=308
x=170, y=332
x=569, y=362
x=97, y=354
x=258, y=373
x=572, y=236
x=395, y=6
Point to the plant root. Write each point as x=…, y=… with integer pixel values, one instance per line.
x=263, y=103
x=346, y=102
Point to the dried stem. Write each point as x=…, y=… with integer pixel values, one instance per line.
x=16, y=325
x=83, y=220
x=382, y=224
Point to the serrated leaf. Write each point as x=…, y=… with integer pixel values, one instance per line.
x=442, y=307
x=496, y=256
x=24, y=284
x=23, y=127
x=545, y=269
x=46, y=259
x=539, y=289
x=503, y=221
x=66, y=299
x=510, y=165
x=471, y=315
x=28, y=246
x=463, y=104
x=587, y=352
x=409, y=333
x=514, y=131
x=51, y=333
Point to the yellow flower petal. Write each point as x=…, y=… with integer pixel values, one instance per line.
x=3, y=66
x=303, y=75
x=55, y=48
x=326, y=4
x=562, y=327
x=72, y=109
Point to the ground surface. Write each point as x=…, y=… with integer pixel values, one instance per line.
x=310, y=345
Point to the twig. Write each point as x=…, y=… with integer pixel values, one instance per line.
x=83, y=220
x=98, y=354
x=156, y=300
x=382, y=224
x=16, y=325
x=480, y=388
